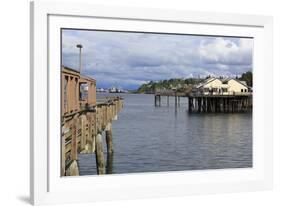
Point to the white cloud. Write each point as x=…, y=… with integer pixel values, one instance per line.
x=226, y=52
x=133, y=58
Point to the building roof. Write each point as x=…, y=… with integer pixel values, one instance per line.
x=207, y=81
x=244, y=83
x=224, y=82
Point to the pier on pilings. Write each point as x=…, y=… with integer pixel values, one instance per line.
x=219, y=103
x=168, y=93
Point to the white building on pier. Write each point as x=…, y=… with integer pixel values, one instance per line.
x=217, y=86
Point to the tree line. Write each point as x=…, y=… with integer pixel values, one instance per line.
x=180, y=83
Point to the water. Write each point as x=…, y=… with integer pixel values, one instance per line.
x=154, y=139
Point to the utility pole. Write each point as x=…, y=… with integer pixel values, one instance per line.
x=80, y=56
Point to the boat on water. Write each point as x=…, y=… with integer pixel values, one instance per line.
x=116, y=90
x=102, y=90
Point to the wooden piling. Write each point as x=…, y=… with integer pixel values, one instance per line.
x=93, y=148
x=99, y=155
x=108, y=137
x=63, y=152
x=109, y=163
x=73, y=140
x=157, y=100
x=89, y=134
x=83, y=131
x=219, y=103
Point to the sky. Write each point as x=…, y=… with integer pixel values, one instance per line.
x=128, y=59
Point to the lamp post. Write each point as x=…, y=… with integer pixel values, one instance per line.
x=80, y=56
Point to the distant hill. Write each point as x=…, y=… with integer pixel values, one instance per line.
x=180, y=84
x=175, y=84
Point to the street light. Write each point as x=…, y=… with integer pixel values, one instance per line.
x=80, y=56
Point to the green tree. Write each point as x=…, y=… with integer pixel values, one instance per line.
x=248, y=77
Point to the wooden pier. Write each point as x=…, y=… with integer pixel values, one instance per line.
x=84, y=120
x=235, y=102
x=220, y=103
x=169, y=93
x=82, y=132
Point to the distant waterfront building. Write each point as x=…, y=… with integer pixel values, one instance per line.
x=101, y=90
x=216, y=86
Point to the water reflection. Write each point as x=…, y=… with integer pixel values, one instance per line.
x=109, y=163
x=168, y=138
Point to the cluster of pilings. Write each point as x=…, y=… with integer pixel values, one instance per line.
x=220, y=103
x=158, y=98
x=82, y=133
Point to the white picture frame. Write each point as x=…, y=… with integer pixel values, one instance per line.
x=46, y=184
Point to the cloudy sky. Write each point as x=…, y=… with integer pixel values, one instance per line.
x=131, y=59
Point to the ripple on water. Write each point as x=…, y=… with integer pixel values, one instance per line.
x=149, y=139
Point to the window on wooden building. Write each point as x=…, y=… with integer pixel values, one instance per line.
x=83, y=91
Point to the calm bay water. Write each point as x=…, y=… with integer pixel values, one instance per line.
x=154, y=139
